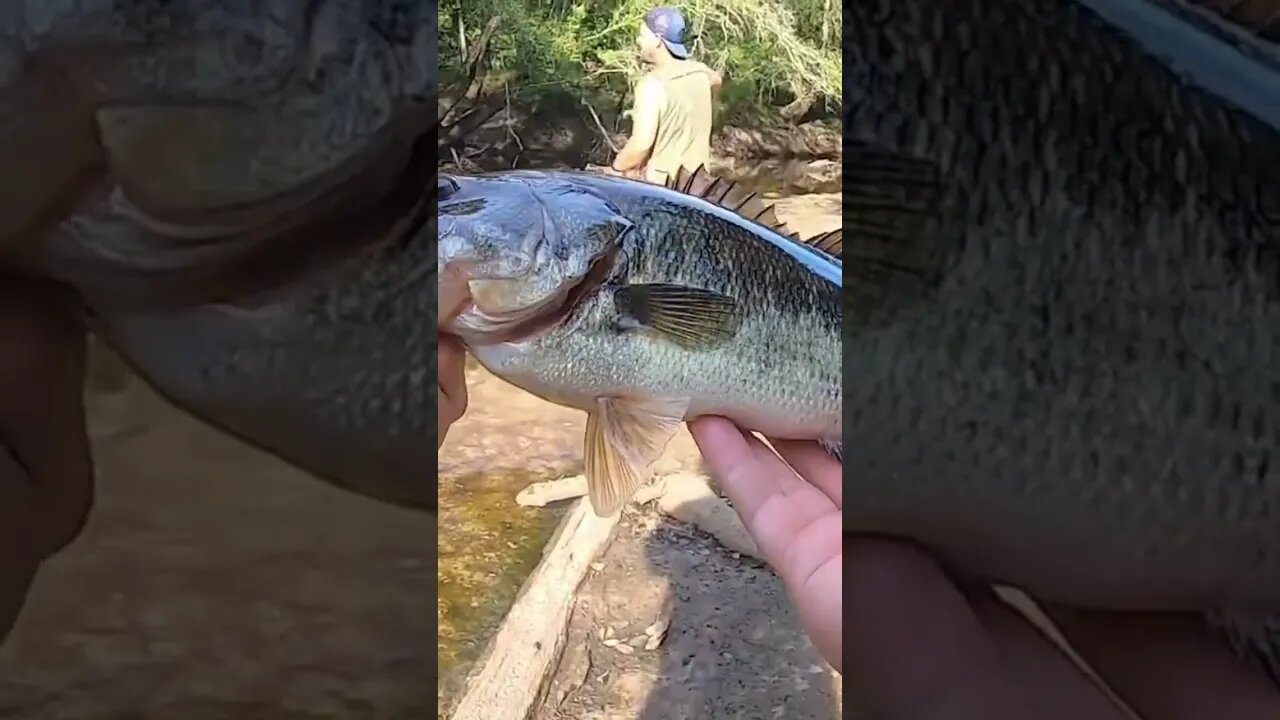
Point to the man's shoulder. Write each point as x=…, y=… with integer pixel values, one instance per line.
x=680, y=69
x=650, y=84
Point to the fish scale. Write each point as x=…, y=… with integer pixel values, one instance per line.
x=1059, y=370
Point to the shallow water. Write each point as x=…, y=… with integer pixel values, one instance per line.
x=488, y=546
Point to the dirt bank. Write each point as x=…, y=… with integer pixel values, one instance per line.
x=728, y=643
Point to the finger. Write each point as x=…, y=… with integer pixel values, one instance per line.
x=50, y=154
x=798, y=530
x=773, y=502
x=42, y=359
x=451, y=391
x=1052, y=680
x=15, y=583
x=1169, y=666
x=749, y=473
x=815, y=465
x=918, y=649
x=452, y=296
x=453, y=360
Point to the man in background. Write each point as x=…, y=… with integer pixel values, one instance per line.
x=671, y=119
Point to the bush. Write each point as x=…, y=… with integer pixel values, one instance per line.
x=780, y=60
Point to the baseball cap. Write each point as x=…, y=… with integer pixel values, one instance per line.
x=669, y=25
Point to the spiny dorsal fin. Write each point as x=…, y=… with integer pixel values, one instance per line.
x=831, y=243
x=750, y=205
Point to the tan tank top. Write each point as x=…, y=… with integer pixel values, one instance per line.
x=684, y=120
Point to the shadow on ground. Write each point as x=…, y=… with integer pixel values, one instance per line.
x=670, y=625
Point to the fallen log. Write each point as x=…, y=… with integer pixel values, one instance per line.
x=522, y=657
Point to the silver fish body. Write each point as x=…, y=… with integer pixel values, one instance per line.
x=682, y=308
x=1063, y=340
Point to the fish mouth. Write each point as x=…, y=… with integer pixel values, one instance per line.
x=232, y=268
x=396, y=218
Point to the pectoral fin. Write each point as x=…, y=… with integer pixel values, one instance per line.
x=692, y=317
x=624, y=438
x=907, y=216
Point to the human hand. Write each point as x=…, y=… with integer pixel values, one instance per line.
x=796, y=522
x=452, y=385
x=927, y=648
x=46, y=475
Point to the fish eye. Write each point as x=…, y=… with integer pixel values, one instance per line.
x=446, y=186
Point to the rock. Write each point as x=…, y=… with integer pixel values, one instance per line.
x=690, y=499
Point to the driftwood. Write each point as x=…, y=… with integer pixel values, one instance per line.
x=542, y=494
x=523, y=656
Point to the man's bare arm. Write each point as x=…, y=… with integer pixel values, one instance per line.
x=716, y=82
x=644, y=127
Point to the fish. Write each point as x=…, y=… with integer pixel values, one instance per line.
x=1062, y=320
x=644, y=306
x=261, y=250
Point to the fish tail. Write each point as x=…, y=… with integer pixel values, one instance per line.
x=1254, y=637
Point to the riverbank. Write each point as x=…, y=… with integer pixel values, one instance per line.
x=567, y=132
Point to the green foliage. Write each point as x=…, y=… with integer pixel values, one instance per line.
x=768, y=50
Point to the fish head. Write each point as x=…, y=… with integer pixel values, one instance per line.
x=514, y=246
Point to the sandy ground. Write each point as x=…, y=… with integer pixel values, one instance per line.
x=733, y=649
x=215, y=583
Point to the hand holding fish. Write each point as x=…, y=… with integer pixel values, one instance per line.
x=45, y=469
x=927, y=649
x=452, y=386
x=795, y=519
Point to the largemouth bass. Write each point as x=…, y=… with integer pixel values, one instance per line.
x=644, y=306
x=253, y=223
x=1063, y=321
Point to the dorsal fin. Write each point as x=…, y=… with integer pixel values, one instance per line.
x=831, y=243
x=737, y=198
